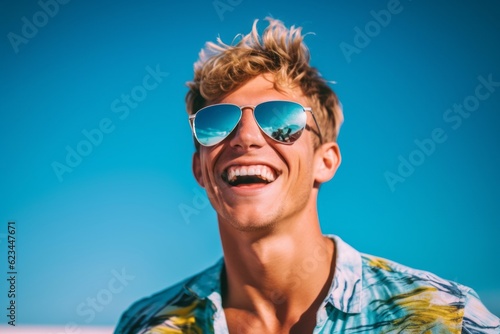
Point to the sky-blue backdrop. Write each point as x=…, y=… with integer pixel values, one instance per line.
x=119, y=209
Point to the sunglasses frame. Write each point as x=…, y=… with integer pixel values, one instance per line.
x=305, y=109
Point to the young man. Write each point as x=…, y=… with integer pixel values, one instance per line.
x=265, y=125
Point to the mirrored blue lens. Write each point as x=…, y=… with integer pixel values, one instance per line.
x=283, y=121
x=214, y=123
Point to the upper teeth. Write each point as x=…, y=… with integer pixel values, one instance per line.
x=263, y=171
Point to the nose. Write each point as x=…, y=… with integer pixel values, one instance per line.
x=247, y=134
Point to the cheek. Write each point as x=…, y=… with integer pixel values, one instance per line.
x=208, y=177
x=209, y=183
x=207, y=161
x=306, y=160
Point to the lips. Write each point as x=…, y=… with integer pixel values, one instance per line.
x=238, y=175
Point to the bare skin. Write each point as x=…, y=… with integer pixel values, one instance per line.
x=279, y=266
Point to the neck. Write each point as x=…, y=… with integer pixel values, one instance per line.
x=284, y=270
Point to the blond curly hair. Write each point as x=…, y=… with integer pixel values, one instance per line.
x=280, y=51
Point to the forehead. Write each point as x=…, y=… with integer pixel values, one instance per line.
x=260, y=89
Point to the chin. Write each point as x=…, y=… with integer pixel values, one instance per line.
x=251, y=221
x=252, y=227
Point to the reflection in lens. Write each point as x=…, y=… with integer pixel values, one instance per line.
x=214, y=123
x=283, y=121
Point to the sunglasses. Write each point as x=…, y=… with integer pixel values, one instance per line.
x=282, y=121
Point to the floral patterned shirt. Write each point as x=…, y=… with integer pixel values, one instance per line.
x=368, y=295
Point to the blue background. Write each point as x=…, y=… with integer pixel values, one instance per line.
x=120, y=207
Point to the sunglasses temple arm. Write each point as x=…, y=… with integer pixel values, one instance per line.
x=317, y=126
x=191, y=121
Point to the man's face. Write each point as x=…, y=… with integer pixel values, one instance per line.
x=284, y=185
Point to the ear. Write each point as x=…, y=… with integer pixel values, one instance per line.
x=327, y=160
x=196, y=166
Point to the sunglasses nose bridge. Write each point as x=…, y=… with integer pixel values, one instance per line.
x=247, y=131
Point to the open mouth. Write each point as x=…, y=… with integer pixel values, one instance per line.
x=249, y=175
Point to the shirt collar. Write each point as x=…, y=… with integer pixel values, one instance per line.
x=207, y=282
x=344, y=294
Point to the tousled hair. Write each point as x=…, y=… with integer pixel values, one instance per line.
x=281, y=52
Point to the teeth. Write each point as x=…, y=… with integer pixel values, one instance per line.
x=264, y=172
